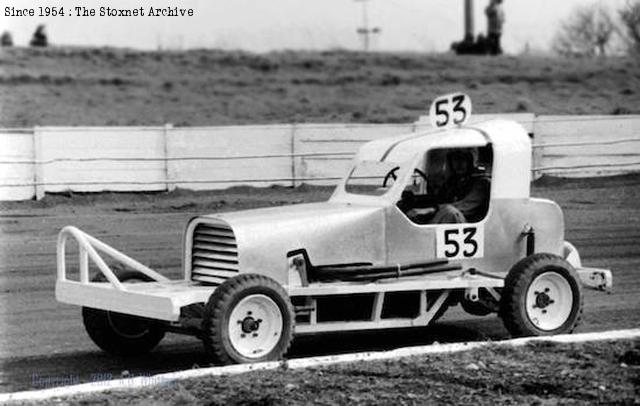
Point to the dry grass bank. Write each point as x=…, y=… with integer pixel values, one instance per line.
x=77, y=86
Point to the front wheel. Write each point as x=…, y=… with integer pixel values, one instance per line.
x=249, y=318
x=542, y=296
x=118, y=333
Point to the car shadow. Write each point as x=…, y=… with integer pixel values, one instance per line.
x=180, y=353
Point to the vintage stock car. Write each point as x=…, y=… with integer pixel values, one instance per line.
x=420, y=222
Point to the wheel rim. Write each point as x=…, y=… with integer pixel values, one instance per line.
x=126, y=325
x=255, y=326
x=549, y=301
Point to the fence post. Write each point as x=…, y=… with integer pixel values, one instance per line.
x=294, y=183
x=38, y=169
x=168, y=173
x=537, y=151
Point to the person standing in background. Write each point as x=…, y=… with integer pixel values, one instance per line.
x=495, y=21
x=39, y=38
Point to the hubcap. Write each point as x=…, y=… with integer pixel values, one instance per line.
x=542, y=300
x=126, y=325
x=549, y=301
x=255, y=326
x=249, y=325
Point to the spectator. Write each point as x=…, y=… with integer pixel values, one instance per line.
x=495, y=21
x=6, y=39
x=39, y=38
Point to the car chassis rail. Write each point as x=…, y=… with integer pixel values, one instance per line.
x=163, y=298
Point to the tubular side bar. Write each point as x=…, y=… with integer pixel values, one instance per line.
x=87, y=246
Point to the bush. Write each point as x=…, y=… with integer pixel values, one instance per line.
x=6, y=39
x=587, y=32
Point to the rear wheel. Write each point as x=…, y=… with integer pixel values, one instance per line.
x=542, y=296
x=249, y=318
x=122, y=334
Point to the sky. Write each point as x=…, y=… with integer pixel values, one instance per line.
x=266, y=25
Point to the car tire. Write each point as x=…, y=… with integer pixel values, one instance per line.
x=249, y=318
x=542, y=296
x=122, y=334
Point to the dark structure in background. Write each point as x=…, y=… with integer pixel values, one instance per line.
x=6, y=39
x=481, y=45
x=39, y=38
x=367, y=33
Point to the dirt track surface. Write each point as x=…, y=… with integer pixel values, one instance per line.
x=43, y=343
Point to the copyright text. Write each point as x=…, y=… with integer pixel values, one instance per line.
x=102, y=11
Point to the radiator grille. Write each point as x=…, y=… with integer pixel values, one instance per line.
x=214, y=255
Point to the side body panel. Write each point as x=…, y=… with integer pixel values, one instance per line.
x=547, y=220
x=504, y=241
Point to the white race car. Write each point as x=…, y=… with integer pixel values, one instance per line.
x=407, y=233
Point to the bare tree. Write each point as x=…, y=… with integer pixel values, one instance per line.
x=630, y=16
x=587, y=32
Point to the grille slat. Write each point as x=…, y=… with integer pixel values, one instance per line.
x=209, y=280
x=209, y=270
x=215, y=240
x=226, y=266
x=223, y=250
x=218, y=232
x=214, y=255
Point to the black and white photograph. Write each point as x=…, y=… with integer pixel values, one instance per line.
x=337, y=202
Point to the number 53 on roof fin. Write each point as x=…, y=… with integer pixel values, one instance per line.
x=450, y=110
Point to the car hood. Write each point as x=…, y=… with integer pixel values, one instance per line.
x=331, y=233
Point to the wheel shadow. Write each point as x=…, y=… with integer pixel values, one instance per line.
x=385, y=340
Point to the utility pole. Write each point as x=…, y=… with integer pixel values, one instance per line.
x=468, y=45
x=469, y=26
x=364, y=31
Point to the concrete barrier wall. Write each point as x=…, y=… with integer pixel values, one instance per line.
x=323, y=151
x=17, y=156
x=220, y=157
x=100, y=158
x=55, y=159
x=587, y=146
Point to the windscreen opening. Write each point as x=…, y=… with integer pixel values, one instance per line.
x=372, y=178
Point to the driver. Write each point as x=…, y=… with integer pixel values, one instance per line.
x=421, y=208
x=461, y=197
x=468, y=191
